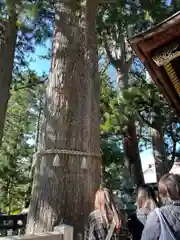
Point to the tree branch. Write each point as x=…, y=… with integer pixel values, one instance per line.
x=145, y=138
x=112, y=60
x=129, y=63
x=122, y=46
x=100, y=56
x=31, y=85
x=144, y=120
x=174, y=151
x=104, y=68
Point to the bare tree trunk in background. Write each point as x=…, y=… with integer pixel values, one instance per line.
x=71, y=122
x=131, y=148
x=159, y=152
x=174, y=5
x=39, y=120
x=175, y=141
x=132, y=156
x=8, y=33
x=158, y=147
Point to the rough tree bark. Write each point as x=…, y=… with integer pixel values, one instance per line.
x=71, y=122
x=159, y=152
x=8, y=32
x=131, y=149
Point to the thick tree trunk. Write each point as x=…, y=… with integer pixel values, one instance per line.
x=159, y=152
x=8, y=33
x=65, y=192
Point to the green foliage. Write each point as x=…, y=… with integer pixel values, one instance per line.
x=34, y=26
x=115, y=174
x=108, y=100
x=145, y=102
x=112, y=150
x=16, y=153
x=13, y=163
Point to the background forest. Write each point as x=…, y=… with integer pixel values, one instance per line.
x=131, y=106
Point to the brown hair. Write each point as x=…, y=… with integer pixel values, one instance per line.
x=169, y=187
x=105, y=203
x=146, y=197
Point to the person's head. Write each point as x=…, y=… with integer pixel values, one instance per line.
x=146, y=197
x=169, y=188
x=105, y=203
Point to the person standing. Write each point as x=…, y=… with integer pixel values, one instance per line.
x=146, y=202
x=165, y=221
x=105, y=222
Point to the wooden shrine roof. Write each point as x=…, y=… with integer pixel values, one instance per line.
x=159, y=50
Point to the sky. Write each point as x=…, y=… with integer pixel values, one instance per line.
x=38, y=64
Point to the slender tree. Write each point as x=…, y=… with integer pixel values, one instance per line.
x=8, y=31
x=21, y=24
x=16, y=153
x=113, y=32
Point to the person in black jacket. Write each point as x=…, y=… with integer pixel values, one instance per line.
x=135, y=227
x=146, y=202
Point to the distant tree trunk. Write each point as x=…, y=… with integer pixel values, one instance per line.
x=175, y=140
x=62, y=189
x=132, y=156
x=158, y=147
x=39, y=120
x=159, y=151
x=174, y=5
x=8, y=33
x=131, y=148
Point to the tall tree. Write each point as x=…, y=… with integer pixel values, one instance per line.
x=15, y=153
x=156, y=124
x=22, y=24
x=68, y=167
x=115, y=24
x=150, y=107
x=7, y=51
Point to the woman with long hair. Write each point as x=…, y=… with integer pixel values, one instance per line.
x=146, y=202
x=105, y=222
x=164, y=223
